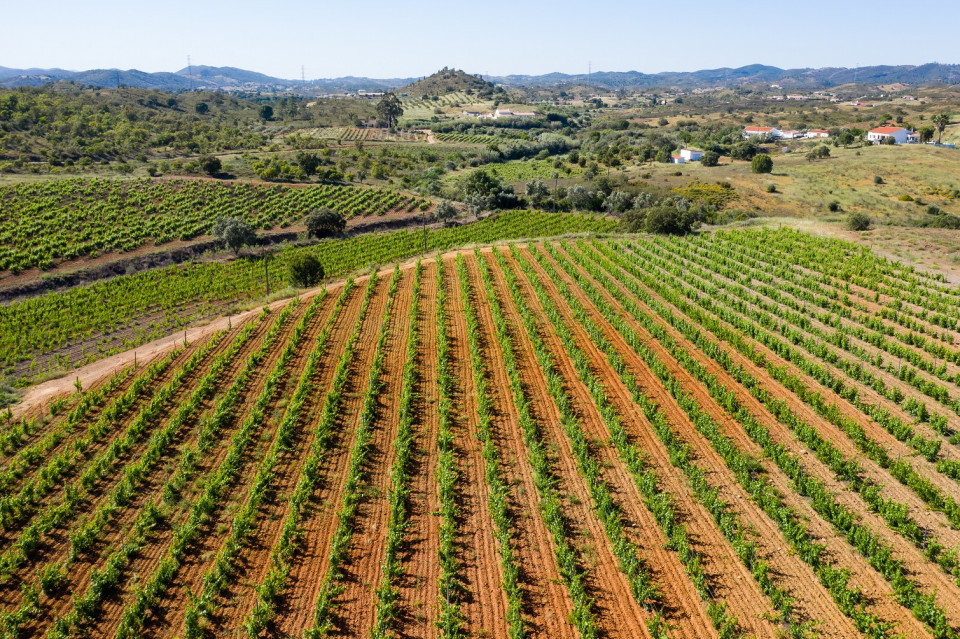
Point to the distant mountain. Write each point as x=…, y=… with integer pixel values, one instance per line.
x=755, y=74
x=233, y=79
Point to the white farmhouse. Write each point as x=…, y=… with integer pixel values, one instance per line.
x=768, y=131
x=690, y=155
x=898, y=133
x=818, y=133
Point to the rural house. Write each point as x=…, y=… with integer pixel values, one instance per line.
x=898, y=133
x=690, y=155
x=768, y=131
x=818, y=133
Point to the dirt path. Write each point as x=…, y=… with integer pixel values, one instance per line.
x=484, y=603
x=420, y=561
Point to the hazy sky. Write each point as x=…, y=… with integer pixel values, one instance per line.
x=383, y=39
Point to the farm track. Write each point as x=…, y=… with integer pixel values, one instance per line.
x=617, y=613
x=167, y=618
x=42, y=410
x=838, y=551
x=930, y=519
x=483, y=602
x=254, y=559
x=421, y=569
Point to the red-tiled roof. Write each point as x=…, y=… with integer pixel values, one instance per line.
x=762, y=129
x=886, y=130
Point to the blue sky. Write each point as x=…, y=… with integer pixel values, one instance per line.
x=402, y=39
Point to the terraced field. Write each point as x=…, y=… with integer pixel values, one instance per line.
x=740, y=434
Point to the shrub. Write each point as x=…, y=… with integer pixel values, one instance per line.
x=210, y=164
x=710, y=158
x=304, y=270
x=324, y=222
x=761, y=163
x=834, y=206
x=859, y=222
x=664, y=220
x=877, y=179
x=905, y=198
x=771, y=188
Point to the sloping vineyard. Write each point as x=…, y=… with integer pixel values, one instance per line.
x=44, y=223
x=744, y=434
x=59, y=331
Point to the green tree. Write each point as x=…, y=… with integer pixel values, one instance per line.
x=210, y=164
x=304, y=270
x=325, y=222
x=710, y=158
x=761, y=163
x=389, y=110
x=537, y=191
x=925, y=133
x=940, y=121
x=202, y=108
x=266, y=112
x=234, y=232
x=445, y=211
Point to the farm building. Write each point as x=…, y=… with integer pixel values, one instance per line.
x=898, y=133
x=690, y=155
x=768, y=131
x=790, y=134
x=506, y=113
x=818, y=133
x=678, y=159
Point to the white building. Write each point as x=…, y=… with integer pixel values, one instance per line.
x=790, y=135
x=898, y=133
x=818, y=133
x=767, y=131
x=690, y=155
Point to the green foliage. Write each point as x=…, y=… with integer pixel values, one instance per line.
x=717, y=195
x=834, y=206
x=304, y=270
x=859, y=222
x=324, y=222
x=710, y=158
x=43, y=223
x=234, y=233
x=761, y=163
x=183, y=294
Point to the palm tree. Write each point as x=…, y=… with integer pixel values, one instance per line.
x=940, y=121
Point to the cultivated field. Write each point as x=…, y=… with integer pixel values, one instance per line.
x=737, y=434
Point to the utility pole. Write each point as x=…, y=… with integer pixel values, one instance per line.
x=266, y=271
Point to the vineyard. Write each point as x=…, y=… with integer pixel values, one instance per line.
x=61, y=330
x=44, y=223
x=364, y=134
x=743, y=434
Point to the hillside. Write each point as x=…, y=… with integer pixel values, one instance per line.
x=449, y=81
